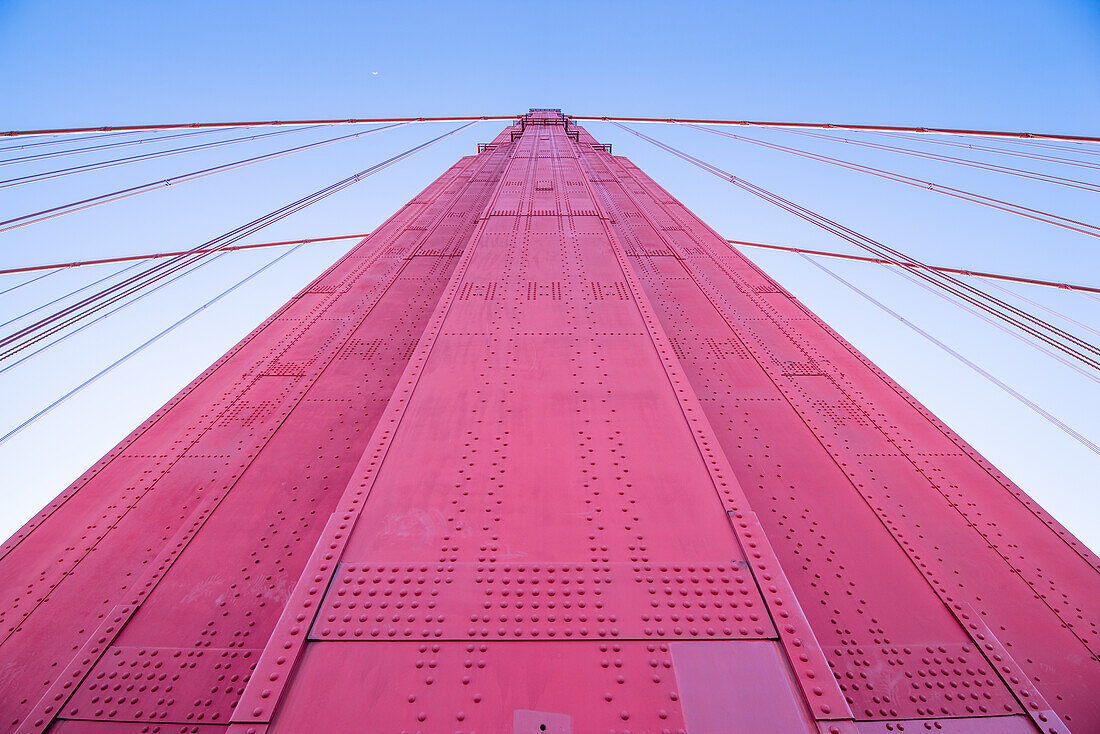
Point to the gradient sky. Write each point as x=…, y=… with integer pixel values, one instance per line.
x=1028, y=66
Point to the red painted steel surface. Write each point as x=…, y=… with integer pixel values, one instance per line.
x=544, y=453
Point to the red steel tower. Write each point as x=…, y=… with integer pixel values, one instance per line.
x=544, y=454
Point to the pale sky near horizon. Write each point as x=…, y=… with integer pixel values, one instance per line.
x=1027, y=66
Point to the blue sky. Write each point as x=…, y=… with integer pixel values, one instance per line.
x=1031, y=66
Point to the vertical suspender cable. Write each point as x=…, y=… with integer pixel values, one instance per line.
x=156, y=337
x=70, y=294
x=355, y=178
x=988, y=149
x=949, y=283
x=43, y=328
x=1041, y=307
x=113, y=311
x=1002, y=385
x=912, y=275
x=1005, y=206
x=945, y=280
x=44, y=175
x=27, y=282
x=100, y=146
x=1018, y=172
x=57, y=211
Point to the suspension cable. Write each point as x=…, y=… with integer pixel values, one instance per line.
x=957, y=271
x=61, y=139
x=1002, y=385
x=604, y=118
x=1006, y=206
x=944, y=281
x=1021, y=173
x=917, y=268
x=142, y=279
x=25, y=282
x=910, y=276
x=1041, y=307
x=113, y=311
x=740, y=243
x=156, y=337
x=49, y=139
x=1074, y=147
x=948, y=282
x=100, y=146
x=57, y=211
x=988, y=276
x=1034, y=320
x=70, y=294
x=28, y=335
x=31, y=178
x=988, y=149
x=161, y=255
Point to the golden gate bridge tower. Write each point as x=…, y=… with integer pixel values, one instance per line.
x=544, y=453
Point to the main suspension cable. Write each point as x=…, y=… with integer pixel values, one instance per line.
x=57, y=211
x=956, y=286
x=120, y=290
x=834, y=126
x=28, y=335
x=44, y=175
x=1085, y=289
x=604, y=118
x=1077, y=287
x=162, y=255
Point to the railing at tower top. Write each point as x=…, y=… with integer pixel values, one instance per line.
x=544, y=117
